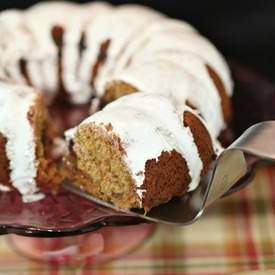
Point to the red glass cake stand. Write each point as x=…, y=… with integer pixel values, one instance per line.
x=52, y=229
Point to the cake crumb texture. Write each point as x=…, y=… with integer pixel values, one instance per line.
x=100, y=159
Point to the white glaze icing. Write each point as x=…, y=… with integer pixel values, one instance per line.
x=80, y=91
x=11, y=30
x=119, y=26
x=192, y=43
x=73, y=19
x=160, y=25
x=133, y=30
x=4, y=188
x=49, y=72
x=35, y=74
x=48, y=14
x=145, y=132
x=15, y=103
x=136, y=43
x=15, y=30
x=170, y=79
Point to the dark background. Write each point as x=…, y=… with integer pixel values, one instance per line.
x=242, y=30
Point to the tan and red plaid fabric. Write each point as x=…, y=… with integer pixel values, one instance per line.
x=235, y=234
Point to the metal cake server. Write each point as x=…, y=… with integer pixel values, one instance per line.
x=233, y=170
x=73, y=212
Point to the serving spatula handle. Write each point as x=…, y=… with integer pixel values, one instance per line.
x=258, y=141
x=235, y=167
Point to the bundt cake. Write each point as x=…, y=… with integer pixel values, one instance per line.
x=142, y=149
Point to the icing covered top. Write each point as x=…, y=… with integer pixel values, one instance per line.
x=173, y=80
x=12, y=29
x=134, y=33
x=149, y=133
x=15, y=103
x=194, y=44
x=73, y=19
x=118, y=25
x=160, y=25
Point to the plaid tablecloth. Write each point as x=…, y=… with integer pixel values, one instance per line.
x=237, y=233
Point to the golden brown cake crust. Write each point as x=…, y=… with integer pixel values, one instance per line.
x=201, y=138
x=225, y=99
x=4, y=162
x=116, y=89
x=165, y=178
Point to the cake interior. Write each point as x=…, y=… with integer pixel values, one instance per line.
x=50, y=172
x=95, y=163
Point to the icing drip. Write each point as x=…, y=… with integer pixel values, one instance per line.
x=4, y=188
x=118, y=26
x=12, y=29
x=20, y=146
x=49, y=16
x=74, y=57
x=124, y=24
x=72, y=18
x=160, y=25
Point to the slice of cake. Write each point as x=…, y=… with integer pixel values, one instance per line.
x=139, y=151
x=26, y=142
